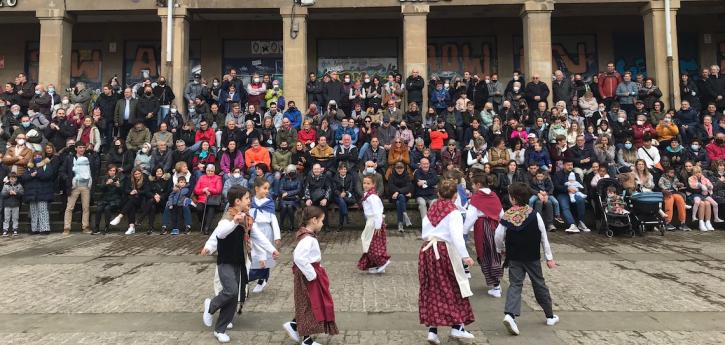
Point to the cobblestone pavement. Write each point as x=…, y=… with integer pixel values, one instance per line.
x=144, y=289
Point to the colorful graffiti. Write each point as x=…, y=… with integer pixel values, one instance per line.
x=450, y=57
x=250, y=57
x=86, y=64
x=629, y=53
x=141, y=60
x=379, y=66
x=572, y=54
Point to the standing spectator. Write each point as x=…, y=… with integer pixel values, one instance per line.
x=18, y=155
x=273, y=94
x=563, y=88
x=80, y=95
x=60, y=130
x=649, y=93
x=608, y=83
x=77, y=170
x=627, y=94
x=293, y=115
x=689, y=91
x=12, y=193
x=194, y=89
x=426, y=182
x=125, y=113
x=256, y=90
x=536, y=91
x=106, y=101
x=228, y=98
x=39, y=180
x=414, y=85
x=24, y=91
x=314, y=91
x=41, y=100
x=166, y=97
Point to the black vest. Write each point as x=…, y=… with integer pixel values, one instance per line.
x=231, y=249
x=523, y=242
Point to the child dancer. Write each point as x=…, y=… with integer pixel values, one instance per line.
x=519, y=236
x=484, y=212
x=230, y=239
x=375, y=256
x=444, y=289
x=266, y=221
x=314, y=308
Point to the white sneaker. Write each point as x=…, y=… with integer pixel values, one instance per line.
x=291, y=332
x=495, y=292
x=462, y=334
x=510, y=324
x=260, y=287
x=313, y=343
x=687, y=207
x=230, y=326
x=131, y=230
x=694, y=217
x=222, y=337
x=718, y=220
x=381, y=269
x=583, y=227
x=433, y=338
x=709, y=226
x=663, y=214
x=373, y=270
x=400, y=227
x=468, y=274
x=406, y=219
x=552, y=321
x=116, y=220
x=551, y=228
x=207, y=317
x=572, y=229
x=702, y=226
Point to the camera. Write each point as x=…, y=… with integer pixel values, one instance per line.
x=69, y=89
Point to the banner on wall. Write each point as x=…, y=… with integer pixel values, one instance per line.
x=142, y=59
x=356, y=66
x=449, y=57
x=249, y=57
x=86, y=63
x=572, y=54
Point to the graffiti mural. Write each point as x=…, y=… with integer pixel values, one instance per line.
x=572, y=54
x=379, y=66
x=450, y=57
x=142, y=59
x=86, y=63
x=629, y=53
x=250, y=57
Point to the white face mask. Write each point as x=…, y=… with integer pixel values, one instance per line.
x=367, y=80
x=173, y=110
x=369, y=171
x=640, y=123
x=236, y=175
x=347, y=80
x=516, y=89
x=20, y=142
x=65, y=101
x=446, y=85
x=216, y=83
x=256, y=80
x=695, y=147
x=621, y=120
x=145, y=150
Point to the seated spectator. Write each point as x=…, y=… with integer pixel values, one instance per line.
x=257, y=155
x=286, y=133
x=642, y=177
x=582, y=156
x=346, y=153
x=517, y=151
x=377, y=154
x=205, y=156
x=477, y=153
x=317, y=188
x=161, y=157
x=697, y=154
x=231, y=159
x=301, y=159
x=371, y=169
x=208, y=190
x=323, y=154
x=498, y=156
x=641, y=129
x=290, y=188
x=307, y=135
x=576, y=220
x=451, y=156
x=716, y=148
x=137, y=136
x=543, y=200
x=162, y=135
x=426, y=182
x=672, y=190
x=400, y=189
x=344, y=189
x=143, y=159
x=136, y=190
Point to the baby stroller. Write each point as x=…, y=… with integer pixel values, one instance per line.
x=646, y=208
x=607, y=222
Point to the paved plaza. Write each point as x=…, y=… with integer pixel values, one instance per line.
x=144, y=289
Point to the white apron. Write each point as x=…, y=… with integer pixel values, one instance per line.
x=456, y=264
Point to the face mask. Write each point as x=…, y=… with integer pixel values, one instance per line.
x=640, y=123
x=21, y=142
x=695, y=147
x=145, y=150
x=601, y=109
x=37, y=92
x=51, y=90
x=516, y=89
x=516, y=77
x=276, y=87
x=216, y=83
x=236, y=175
x=369, y=171
x=347, y=80
x=192, y=110
x=173, y=110
x=403, y=127
x=37, y=160
x=256, y=80
x=162, y=82
x=16, y=113
x=488, y=81
x=196, y=82
x=65, y=101
x=446, y=85
x=367, y=80
x=621, y=120
x=26, y=124
x=628, y=146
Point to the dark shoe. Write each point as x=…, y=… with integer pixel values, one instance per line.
x=149, y=231
x=95, y=231
x=45, y=233
x=164, y=231
x=188, y=230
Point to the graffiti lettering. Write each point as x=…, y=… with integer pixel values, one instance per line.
x=86, y=66
x=447, y=60
x=357, y=66
x=145, y=61
x=571, y=54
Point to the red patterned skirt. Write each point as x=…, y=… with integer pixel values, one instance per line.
x=377, y=254
x=307, y=305
x=439, y=299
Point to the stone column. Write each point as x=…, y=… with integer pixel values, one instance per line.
x=415, y=44
x=294, y=55
x=536, y=17
x=655, y=41
x=56, y=36
x=176, y=71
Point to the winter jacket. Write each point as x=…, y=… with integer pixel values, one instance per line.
x=41, y=186
x=281, y=159
x=563, y=91
x=291, y=186
x=414, y=86
x=42, y=102
x=317, y=188
x=715, y=151
x=58, y=137
x=259, y=155
x=107, y=105
x=162, y=159
x=627, y=92
x=639, y=132
x=295, y=117
x=440, y=99
x=227, y=164
x=213, y=183
x=179, y=197
x=137, y=137
x=166, y=137
x=94, y=138
x=110, y=194
x=233, y=181
x=578, y=154
x=536, y=89
x=120, y=111
x=430, y=176
x=164, y=94
x=148, y=104
x=688, y=117
x=333, y=90
x=379, y=156
x=288, y=135
x=608, y=83
x=12, y=200
x=345, y=184
x=540, y=158
x=649, y=96
x=667, y=132
x=17, y=161
x=161, y=186
x=83, y=97
x=346, y=155
x=122, y=160
x=314, y=92
x=400, y=183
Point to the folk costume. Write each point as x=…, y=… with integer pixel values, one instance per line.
x=374, y=243
x=265, y=220
x=483, y=214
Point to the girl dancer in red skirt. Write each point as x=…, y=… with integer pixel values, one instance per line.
x=444, y=289
x=314, y=308
x=484, y=212
x=374, y=237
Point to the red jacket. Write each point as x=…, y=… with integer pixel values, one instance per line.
x=715, y=151
x=638, y=134
x=608, y=84
x=208, y=135
x=214, y=183
x=305, y=136
x=436, y=140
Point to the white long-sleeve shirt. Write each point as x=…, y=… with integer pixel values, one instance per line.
x=266, y=217
x=307, y=252
x=226, y=226
x=450, y=229
x=500, y=238
x=645, y=155
x=373, y=207
x=472, y=214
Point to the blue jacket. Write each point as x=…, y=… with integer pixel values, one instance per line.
x=431, y=177
x=627, y=92
x=440, y=98
x=687, y=117
x=294, y=116
x=345, y=130
x=540, y=158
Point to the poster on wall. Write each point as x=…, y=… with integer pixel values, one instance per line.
x=142, y=59
x=86, y=63
x=249, y=57
x=572, y=54
x=356, y=66
x=449, y=57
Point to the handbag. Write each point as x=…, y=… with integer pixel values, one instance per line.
x=214, y=200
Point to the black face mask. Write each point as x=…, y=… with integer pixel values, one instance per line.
x=718, y=141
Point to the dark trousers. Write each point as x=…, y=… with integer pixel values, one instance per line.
x=131, y=207
x=401, y=205
x=287, y=210
x=205, y=218
x=226, y=301
x=517, y=273
x=105, y=210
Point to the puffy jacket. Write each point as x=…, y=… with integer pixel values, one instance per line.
x=137, y=137
x=715, y=151
x=291, y=186
x=227, y=164
x=687, y=117
x=440, y=98
x=281, y=159
x=214, y=183
x=107, y=105
x=540, y=157
x=256, y=156
x=41, y=186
